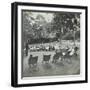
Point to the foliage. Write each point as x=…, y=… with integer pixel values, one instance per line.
x=62, y=25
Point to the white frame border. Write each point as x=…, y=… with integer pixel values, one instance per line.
x=82, y=49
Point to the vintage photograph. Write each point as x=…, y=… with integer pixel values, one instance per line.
x=50, y=43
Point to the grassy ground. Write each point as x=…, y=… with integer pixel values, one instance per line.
x=61, y=68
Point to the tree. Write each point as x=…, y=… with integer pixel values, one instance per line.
x=27, y=26
x=33, y=26
x=65, y=22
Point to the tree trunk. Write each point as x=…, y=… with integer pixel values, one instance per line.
x=74, y=37
x=61, y=32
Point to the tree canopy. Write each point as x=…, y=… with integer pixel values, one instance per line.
x=61, y=25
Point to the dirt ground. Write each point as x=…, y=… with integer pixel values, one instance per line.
x=65, y=67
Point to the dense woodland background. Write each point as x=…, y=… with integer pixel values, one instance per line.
x=39, y=29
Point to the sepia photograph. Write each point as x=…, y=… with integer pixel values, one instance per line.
x=49, y=44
